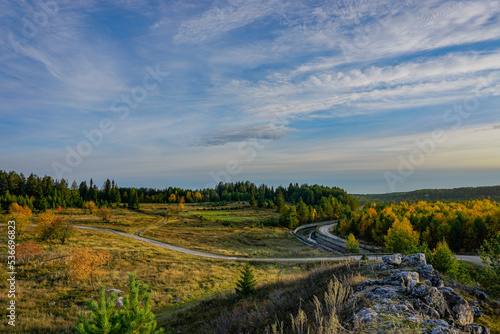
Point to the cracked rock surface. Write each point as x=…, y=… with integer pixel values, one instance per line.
x=410, y=294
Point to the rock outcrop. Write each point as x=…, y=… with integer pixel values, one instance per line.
x=409, y=293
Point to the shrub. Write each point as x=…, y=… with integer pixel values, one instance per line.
x=28, y=250
x=105, y=213
x=22, y=216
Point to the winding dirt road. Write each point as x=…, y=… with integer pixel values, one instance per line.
x=469, y=258
x=216, y=256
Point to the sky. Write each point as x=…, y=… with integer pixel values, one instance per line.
x=369, y=96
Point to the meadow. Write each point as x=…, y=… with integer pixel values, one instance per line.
x=48, y=301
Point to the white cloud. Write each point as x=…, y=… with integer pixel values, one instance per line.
x=219, y=20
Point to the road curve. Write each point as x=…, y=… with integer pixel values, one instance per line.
x=216, y=256
x=470, y=258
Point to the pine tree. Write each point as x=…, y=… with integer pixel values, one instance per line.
x=246, y=284
x=103, y=319
x=261, y=201
x=136, y=315
x=443, y=259
x=252, y=200
x=280, y=201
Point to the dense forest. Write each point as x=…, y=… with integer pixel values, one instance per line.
x=450, y=195
x=463, y=225
x=42, y=193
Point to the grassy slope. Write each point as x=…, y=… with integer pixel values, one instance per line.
x=171, y=275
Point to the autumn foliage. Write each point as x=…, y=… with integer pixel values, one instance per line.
x=105, y=213
x=401, y=237
x=463, y=225
x=52, y=227
x=89, y=206
x=85, y=262
x=28, y=250
x=22, y=216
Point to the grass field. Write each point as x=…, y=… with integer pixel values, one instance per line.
x=175, y=279
x=48, y=302
x=230, y=232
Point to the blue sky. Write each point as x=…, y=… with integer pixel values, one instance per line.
x=371, y=96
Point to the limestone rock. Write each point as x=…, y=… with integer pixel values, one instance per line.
x=463, y=313
x=444, y=330
x=113, y=290
x=366, y=315
x=420, y=290
x=427, y=272
x=393, y=259
x=477, y=329
x=415, y=260
x=119, y=302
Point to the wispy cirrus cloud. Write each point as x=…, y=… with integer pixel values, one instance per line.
x=219, y=20
x=241, y=134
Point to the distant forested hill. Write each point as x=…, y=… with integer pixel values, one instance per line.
x=456, y=194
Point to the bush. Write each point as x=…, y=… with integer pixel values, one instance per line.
x=28, y=250
x=105, y=213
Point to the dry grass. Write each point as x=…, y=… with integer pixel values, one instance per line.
x=230, y=232
x=171, y=275
x=123, y=220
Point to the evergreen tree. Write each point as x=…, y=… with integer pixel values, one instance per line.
x=303, y=212
x=280, y=201
x=288, y=217
x=443, y=259
x=136, y=315
x=457, y=233
x=247, y=282
x=103, y=319
x=261, y=201
x=252, y=200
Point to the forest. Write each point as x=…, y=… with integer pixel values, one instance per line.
x=449, y=195
x=463, y=225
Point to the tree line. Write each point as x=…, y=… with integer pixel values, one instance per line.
x=42, y=193
x=432, y=195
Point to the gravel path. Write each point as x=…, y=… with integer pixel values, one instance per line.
x=470, y=258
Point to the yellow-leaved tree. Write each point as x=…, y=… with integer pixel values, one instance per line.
x=22, y=216
x=105, y=213
x=401, y=237
x=85, y=262
x=89, y=206
x=352, y=245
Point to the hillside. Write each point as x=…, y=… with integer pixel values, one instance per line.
x=455, y=194
x=403, y=294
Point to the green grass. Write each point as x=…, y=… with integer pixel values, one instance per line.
x=243, y=236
